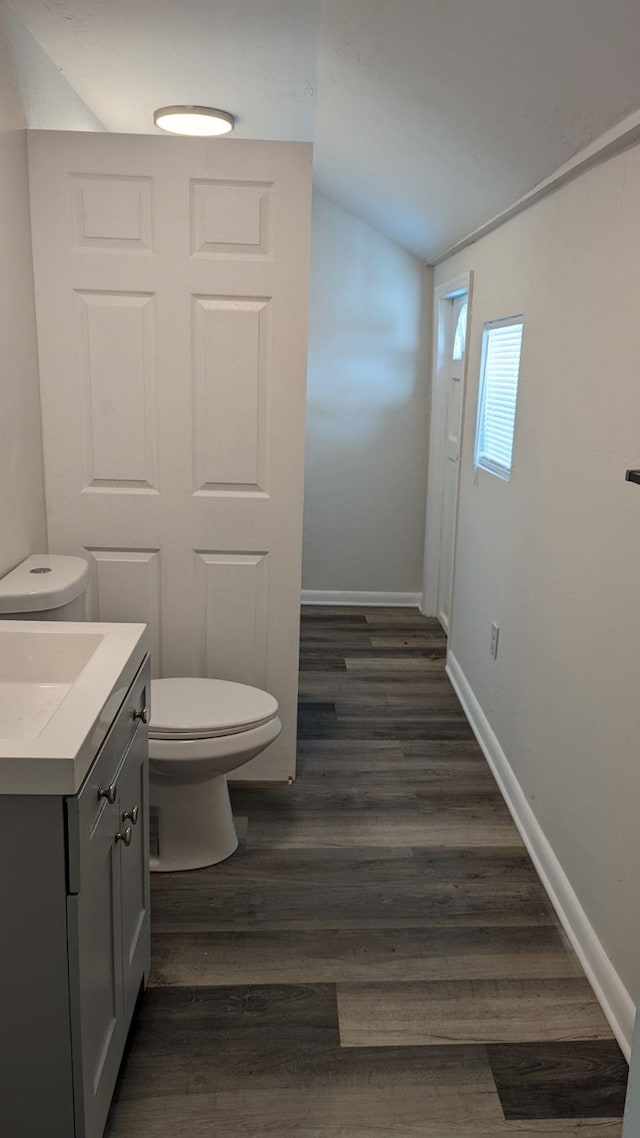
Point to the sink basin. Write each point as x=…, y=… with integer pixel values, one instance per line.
x=36, y=673
x=59, y=684
x=44, y=657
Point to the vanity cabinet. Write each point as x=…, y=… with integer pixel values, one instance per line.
x=74, y=945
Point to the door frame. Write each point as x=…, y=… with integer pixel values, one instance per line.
x=443, y=293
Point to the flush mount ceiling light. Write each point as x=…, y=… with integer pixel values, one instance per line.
x=204, y=121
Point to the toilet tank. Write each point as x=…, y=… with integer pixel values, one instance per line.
x=45, y=587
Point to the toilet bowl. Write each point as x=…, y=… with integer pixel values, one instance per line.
x=200, y=731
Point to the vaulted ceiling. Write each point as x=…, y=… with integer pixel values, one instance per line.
x=428, y=116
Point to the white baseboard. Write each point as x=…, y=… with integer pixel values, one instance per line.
x=344, y=597
x=610, y=992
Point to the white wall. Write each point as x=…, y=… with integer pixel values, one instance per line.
x=32, y=93
x=48, y=100
x=22, y=523
x=554, y=555
x=366, y=409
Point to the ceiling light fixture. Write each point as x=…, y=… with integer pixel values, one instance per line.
x=202, y=121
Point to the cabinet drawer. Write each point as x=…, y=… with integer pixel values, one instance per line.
x=85, y=809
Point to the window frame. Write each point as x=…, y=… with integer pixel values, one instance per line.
x=481, y=461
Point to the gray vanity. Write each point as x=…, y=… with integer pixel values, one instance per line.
x=74, y=873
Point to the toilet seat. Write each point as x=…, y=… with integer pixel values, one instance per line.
x=187, y=708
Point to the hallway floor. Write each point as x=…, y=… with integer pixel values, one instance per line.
x=378, y=959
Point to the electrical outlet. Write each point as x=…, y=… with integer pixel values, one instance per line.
x=495, y=633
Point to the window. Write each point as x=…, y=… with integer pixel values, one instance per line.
x=499, y=370
x=460, y=336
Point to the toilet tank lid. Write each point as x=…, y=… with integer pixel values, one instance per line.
x=42, y=582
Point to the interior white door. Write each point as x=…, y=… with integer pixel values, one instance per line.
x=454, y=383
x=171, y=284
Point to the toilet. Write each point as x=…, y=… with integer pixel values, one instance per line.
x=199, y=732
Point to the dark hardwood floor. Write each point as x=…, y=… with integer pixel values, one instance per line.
x=378, y=959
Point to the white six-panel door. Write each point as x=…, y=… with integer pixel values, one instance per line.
x=454, y=382
x=447, y=400
x=171, y=284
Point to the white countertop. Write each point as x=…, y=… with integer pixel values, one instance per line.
x=61, y=684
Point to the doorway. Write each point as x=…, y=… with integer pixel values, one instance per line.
x=451, y=321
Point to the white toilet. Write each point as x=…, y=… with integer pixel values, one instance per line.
x=200, y=729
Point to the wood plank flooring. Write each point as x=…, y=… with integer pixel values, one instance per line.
x=378, y=959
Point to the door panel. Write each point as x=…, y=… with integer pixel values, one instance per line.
x=230, y=397
x=171, y=287
x=116, y=342
x=112, y=212
x=231, y=218
x=232, y=596
x=124, y=584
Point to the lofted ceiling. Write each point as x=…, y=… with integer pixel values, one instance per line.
x=428, y=117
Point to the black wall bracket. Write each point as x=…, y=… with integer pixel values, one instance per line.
x=632, y=476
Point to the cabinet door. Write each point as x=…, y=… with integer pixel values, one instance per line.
x=134, y=814
x=95, y=961
x=108, y=914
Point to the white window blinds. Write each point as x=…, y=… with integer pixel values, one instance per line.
x=499, y=370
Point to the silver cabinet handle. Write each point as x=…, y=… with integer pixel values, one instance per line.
x=125, y=836
x=142, y=715
x=132, y=815
x=108, y=792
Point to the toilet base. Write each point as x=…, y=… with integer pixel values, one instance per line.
x=195, y=824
